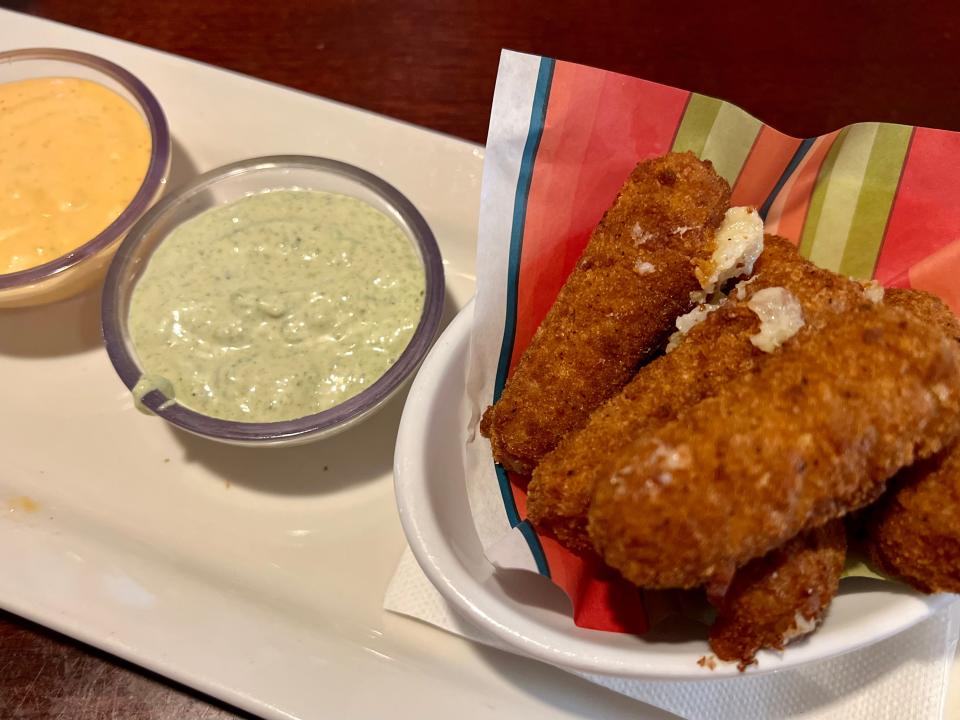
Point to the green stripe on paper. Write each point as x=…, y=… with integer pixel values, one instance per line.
x=876, y=198
x=841, y=197
x=696, y=123
x=819, y=193
x=729, y=141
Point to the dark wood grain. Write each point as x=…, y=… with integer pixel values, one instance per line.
x=45, y=675
x=804, y=67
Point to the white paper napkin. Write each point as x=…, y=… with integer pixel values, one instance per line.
x=901, y=678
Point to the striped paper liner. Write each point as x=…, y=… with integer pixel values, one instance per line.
x=870, y=200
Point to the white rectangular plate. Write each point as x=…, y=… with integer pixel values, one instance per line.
x=254, y=575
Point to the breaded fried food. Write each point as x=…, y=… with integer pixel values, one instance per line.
x=926, y=307
x=784, y=594
x=815, y=433
x=711, y=356
x=913, y=531
x=616, y=308
x=781, y=596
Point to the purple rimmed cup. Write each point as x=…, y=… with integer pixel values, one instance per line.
x=83, y=267
x=227, y=184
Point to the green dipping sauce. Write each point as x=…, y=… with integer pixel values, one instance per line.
x=277, y=306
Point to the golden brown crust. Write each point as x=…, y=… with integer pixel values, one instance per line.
x=926, y=307
x=814, y=433
x=788, y=590
x=608, y=317
x=713, y=354
x=780, y=596
x=913, y=531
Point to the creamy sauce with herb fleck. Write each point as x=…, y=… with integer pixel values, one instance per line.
x=277, y=306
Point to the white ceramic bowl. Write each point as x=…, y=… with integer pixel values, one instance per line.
x=528, y=612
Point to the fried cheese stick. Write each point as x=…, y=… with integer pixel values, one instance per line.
x=913, y=531
x=617, y=307
x=926, y=307
x=814, y=433
x=711, y=356
x=781, y=596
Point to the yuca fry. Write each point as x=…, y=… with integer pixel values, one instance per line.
x=781, y=596
x=711, y=356
x=913, y=531
x=615, y=309
x=814, y=433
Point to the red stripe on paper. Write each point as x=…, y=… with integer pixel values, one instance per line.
x=795, y=205
x=768, y=158
x=938, y=273
x=920, y=246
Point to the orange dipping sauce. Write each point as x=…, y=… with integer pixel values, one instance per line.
x=73, y=153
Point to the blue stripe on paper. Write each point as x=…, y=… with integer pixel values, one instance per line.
x=802, y=150
x=534, y=133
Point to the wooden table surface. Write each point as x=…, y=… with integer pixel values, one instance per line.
x=806, y=68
